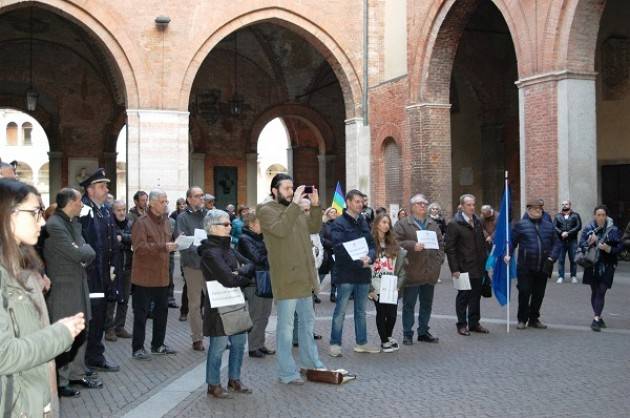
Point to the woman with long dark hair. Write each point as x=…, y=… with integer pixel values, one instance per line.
x=27, y=341
x=606, y=238
x=390, y=259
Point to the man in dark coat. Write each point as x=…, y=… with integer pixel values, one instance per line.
x=98, y=231
x=568, y=225
x=117, y=308
x=466, y=251
x=538, y=249
x=353, y=276
x=67, y=254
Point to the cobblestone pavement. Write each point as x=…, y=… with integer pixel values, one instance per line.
x=567, y=370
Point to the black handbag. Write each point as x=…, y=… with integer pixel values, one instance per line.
x=586, y=257
x=263, y=284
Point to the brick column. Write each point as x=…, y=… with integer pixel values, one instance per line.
x=197, y=170
x=157, y=151
x=109, y=164
x=54, y=173
x=429, y=166
x=252, y=178
x=358, y=151
x=558, y=143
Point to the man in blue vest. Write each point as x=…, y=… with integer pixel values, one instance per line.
x=99, y=232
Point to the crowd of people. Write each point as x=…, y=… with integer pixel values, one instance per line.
x=67, y=274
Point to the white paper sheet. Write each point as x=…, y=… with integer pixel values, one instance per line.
x=97, y=295
x=428, y=239
x=184, y=242
x=389, y=289
x=199, y=236
x=356, y=248
x=463, y=283
x=221, y=296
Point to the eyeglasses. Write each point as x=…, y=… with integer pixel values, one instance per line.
x=36, y=213
x=224, y=224
x=197, y=196
x=421, y=203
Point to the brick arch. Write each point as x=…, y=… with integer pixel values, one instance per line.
x=315, y=35
x=576, y=40
x=309, y=116
x=122, y=60
x=432, y=63
x=41, y=115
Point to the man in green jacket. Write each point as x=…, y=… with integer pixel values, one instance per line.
x=286, y=230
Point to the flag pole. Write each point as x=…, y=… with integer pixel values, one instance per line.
x=507, y=250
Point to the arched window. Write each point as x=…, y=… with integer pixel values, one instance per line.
x=27, y=130
x=392, y=164
x=12, y=133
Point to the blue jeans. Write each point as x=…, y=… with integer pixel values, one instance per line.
x=424, y=294
x=570, y=247
x=344, y=290
x=215, y=353
x=309, y=357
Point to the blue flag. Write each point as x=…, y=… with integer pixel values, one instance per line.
x=495, y=264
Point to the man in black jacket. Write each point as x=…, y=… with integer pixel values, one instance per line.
x=466, y=252
x=537, y=252
x=567, y=224
x=353, y=276
x=117, y=309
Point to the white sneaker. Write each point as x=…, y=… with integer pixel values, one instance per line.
x=574, y=279
x=560, y=280
x=334, y=351
x=366, y=348
x=387, y=347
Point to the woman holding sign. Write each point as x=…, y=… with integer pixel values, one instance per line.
x=387, y=267
x=219, y=262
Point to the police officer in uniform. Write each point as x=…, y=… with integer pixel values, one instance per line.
x=99, y=231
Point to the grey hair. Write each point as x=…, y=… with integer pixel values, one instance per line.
x=119, y=202
x=208, y=197
x=213, y=217
x=435, y=205
x=155, y=194
x=465, y=196
x=486, y=207
x=417, y=198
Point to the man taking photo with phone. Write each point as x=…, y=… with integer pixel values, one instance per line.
x=286, y=230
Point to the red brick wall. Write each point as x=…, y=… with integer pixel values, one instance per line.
x=541, y=142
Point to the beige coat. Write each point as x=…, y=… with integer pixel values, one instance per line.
x=424, y=266
x=286, y=231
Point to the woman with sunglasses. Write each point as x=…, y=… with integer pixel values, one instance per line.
x=27, y=342
x=221, y=263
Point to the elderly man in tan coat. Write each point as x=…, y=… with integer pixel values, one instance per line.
x=286, y=230
x=423, y=269
x=151, y=240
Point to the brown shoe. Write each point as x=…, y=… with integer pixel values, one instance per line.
x=463, y=331
x=110, y=335
x=237, y=386
x=480, y=329
x=123, y=333
x=198, y=346
x=218, y=392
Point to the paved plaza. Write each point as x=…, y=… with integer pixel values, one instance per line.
x=565, y=371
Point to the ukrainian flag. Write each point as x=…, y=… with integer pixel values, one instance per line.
x=338, y=202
